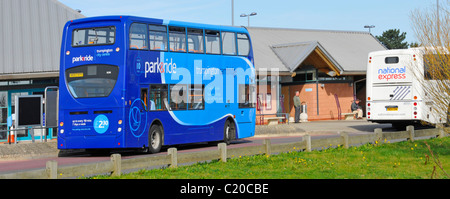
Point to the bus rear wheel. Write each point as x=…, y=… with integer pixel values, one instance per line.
x=155, y=139
x=229, y=132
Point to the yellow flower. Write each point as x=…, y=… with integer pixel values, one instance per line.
x=412, y=149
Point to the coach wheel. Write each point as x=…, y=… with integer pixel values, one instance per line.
x=229, y=132
x=155, y=139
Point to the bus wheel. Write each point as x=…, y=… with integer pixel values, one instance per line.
x=229, y=132
x=155, y=139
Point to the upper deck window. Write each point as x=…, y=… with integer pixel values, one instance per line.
x=212, y=41
x=243, y=44
x=229, y=43
x=138, y=36
x=177, y=39
x=158, y=37
x=94, y=36
x=195, y=40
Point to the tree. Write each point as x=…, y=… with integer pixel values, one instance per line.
x=392, y=39
x=414, y=45
x=433, y=32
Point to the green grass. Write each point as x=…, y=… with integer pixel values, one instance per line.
x=403, y=160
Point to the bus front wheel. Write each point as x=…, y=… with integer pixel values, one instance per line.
x=155, y=139
x=229, y=132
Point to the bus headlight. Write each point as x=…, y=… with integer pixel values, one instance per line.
x=61, y=131
x=119, y=129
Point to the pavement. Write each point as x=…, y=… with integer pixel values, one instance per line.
x=319, y=127
x=29, y=150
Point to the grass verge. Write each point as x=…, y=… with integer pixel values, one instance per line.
x=403, y=160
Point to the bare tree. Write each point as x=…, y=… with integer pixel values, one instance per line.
x=432, y=29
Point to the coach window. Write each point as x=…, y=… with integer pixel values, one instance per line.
x=178, y=97
x=228, y=43
x=177, y=39
x=158, y=37
x=391, y=60
x=212, y=42
x=195, y=40
x=158, y=96
x=138, y=36
x=243, y=44
x=196, y=97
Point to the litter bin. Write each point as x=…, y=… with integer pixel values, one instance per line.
x=303, y=112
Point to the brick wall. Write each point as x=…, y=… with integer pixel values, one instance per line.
x=327, y=103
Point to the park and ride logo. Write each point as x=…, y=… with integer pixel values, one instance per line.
x=82, y=58
x=160, y=66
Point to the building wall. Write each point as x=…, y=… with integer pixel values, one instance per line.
x=320, y=97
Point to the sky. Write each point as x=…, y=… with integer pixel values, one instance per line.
x=350, y=15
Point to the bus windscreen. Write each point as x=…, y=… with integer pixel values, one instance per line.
x=91, y=80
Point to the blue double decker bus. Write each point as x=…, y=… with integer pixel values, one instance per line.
x=133, y=82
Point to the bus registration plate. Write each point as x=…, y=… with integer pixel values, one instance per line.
x=392, y=109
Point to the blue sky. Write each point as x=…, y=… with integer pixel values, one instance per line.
x=301, y=14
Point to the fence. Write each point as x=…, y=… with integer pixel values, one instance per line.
x=172, y=158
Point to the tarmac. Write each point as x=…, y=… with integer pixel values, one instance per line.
x=29, y=150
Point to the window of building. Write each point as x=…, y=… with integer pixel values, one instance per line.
x=138, y=36
x=243, y=44
x=229, y=43
x=158, y=97
x=177, y=39
x=158, y=37
x=178, y=97
x=196, y=97
x=195, y=40
x=304, y=76
x=212, y=42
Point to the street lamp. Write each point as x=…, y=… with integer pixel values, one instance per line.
x=369, y=27
x=248, y=17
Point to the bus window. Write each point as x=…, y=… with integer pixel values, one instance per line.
x=391, y=60
x=247, y=95
x=178, y=97
x=158, y=97
x=243, y=44
x=93, y=36
x=195, y=40
x=196, y=97
x=212, y=42
x=158, y=37
x=228, y=43
x=138, y=36
x=177, y=39
x=144, y=101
